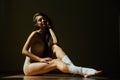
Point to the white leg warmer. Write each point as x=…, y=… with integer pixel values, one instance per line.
x=76, y=69
x=81, y=70
x=67, y=60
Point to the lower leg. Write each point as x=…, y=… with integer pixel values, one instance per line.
x=68, y=68
x=67, y=60
x=86, y=72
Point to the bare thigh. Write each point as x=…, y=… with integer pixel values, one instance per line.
x=37, y=67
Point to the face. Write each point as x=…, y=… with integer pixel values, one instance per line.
x=40, y=22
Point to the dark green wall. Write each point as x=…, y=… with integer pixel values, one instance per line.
x=87, y=31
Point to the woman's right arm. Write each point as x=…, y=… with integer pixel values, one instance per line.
x=27, y=45
x=55, y=41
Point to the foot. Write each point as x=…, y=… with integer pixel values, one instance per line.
x=96, y=73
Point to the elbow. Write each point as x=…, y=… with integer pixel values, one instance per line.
x=24, y=52
x=55, y=42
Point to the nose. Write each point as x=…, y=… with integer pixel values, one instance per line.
x=44, y=21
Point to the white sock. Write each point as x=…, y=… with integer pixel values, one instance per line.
x=67, y=60
x=81, y=70
x=88, y=71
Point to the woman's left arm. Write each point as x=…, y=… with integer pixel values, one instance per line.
x=55, y=41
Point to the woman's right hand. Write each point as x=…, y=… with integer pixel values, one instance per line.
x=46, y=60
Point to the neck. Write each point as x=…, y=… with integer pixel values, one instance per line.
x=42, y=31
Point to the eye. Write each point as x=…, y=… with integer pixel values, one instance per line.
x=40, y=19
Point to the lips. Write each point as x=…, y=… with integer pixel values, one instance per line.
x=43, y=24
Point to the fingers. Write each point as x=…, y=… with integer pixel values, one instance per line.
x=46, y=60
x=48, y=24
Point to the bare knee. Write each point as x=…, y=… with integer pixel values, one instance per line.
x=56, y=48
x=58, y=51
x=27, y=71
x=27, y=74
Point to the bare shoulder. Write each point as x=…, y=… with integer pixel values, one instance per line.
x=34, y=32
x=32, y=35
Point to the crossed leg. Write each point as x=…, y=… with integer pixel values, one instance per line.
x=40, y=68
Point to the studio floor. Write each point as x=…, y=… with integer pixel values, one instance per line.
x=55, y=77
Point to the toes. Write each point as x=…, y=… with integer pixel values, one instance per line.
x=96, y=73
